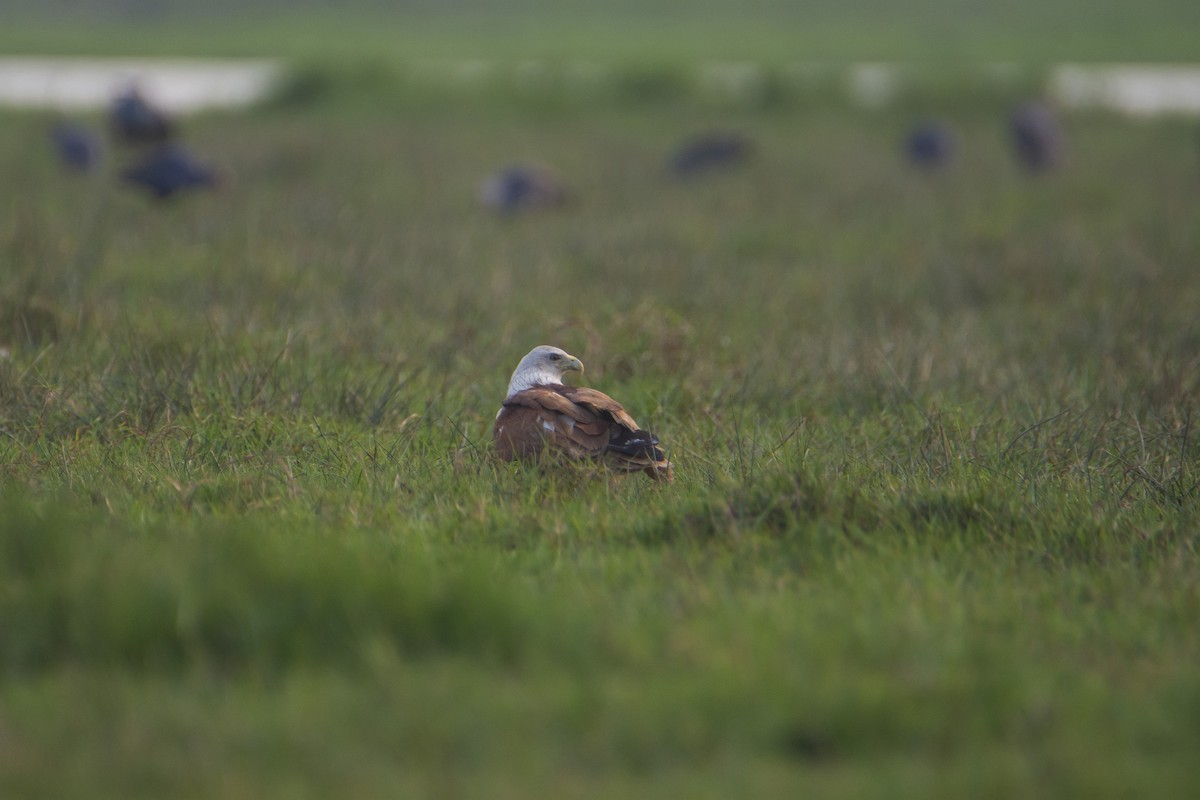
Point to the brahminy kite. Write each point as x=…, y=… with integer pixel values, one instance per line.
x=542, y=415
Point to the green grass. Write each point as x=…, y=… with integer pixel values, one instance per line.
x=934, y=530
x=619, y=31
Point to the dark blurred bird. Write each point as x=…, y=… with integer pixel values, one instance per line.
x=710, y=151
x=169, y=169
x=1037, y=136
x=931, y=145
x=135, y=121
x=519, y=188
x=77, y=147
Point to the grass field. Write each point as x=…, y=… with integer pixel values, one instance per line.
x=934, y=530
x=615, y=32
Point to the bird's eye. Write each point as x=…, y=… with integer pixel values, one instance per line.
x=555, y=356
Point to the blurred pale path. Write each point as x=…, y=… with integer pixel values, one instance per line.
x=182, y=86
x=1131, y=88
x=1107, y=54
x=177, y=86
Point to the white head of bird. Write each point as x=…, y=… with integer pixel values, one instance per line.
x=544, y=365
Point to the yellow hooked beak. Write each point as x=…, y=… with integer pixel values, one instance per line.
x=573, y=365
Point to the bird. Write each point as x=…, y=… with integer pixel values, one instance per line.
x=708, y=152
x=135, y=121
x=77, y=147
x=169, y=169
x=521, y=187
x=540, y=415
x=931, y=144
x=1037, y=136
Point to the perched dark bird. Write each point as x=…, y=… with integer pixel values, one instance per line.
x=710, y=151
x=931, y=145
x=135, y=121
x=167, y=170
x=1037, y=136
x=77, y=147
x=518, y=188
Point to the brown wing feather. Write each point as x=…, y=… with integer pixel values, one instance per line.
x=579, y=422
x=539, y=416
x=629, y=447
x=546, y=398
x=599, y=403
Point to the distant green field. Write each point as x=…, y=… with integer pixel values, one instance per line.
x=934, y=531
x=662, y=31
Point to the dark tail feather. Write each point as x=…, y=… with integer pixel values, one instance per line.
x=638, y=450
x=636, y=444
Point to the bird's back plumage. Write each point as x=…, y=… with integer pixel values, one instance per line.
x=580, y=423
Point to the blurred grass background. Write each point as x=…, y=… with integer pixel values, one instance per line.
x=934, y=532
x=613, y=31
